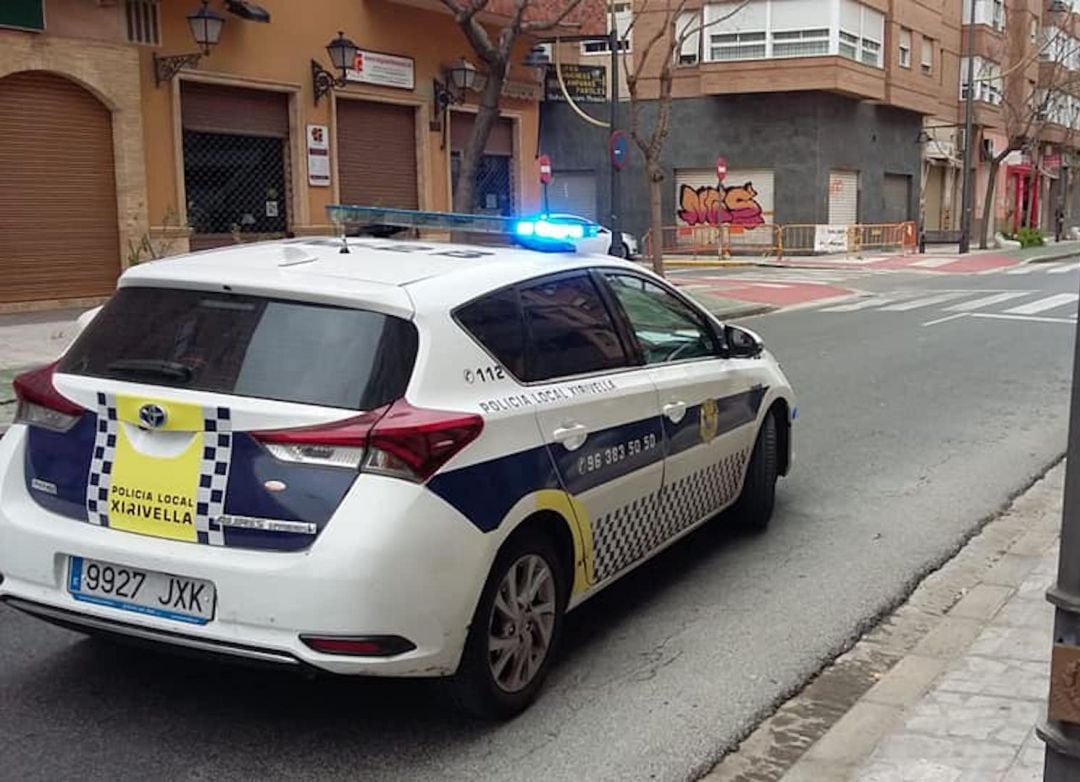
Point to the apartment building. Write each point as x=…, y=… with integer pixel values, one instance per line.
x=817, y=105
x=137, y=127
x=1026, y=111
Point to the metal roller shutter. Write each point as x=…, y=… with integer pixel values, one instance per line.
x=573, y=193
x=843, y=198
x=58, y=217
x=897, y=198
x=376, y=152
x=211, y=108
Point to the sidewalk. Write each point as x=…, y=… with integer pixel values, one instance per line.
x=26, y=340
x=938, y=258
x=946, y=689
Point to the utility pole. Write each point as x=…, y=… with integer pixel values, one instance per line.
x=613, y=44
x=969, y=131
x=1061, y=730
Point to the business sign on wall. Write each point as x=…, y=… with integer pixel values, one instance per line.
x=585, y=83
x=318, y=155
x=383, y=70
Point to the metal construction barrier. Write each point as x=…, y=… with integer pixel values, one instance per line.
x=892, y=236
x=711, y=245
x=798, y=240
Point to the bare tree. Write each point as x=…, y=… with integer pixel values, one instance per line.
x=527, y=18
x=1026, y=113
x=659, y=52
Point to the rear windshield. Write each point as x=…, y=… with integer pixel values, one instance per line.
x=248, y=346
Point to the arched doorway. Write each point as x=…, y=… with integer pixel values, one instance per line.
x=59, y=236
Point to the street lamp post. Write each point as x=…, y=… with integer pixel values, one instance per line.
x=613, y=43
x=1061, y=730
x=969, y=131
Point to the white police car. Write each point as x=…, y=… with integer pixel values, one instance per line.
x=408, y=460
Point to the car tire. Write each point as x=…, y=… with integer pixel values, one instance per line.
x=754, y=507
x=479, y=688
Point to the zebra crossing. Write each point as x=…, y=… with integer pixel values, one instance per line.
x=1042, y=268
x=1034, y=305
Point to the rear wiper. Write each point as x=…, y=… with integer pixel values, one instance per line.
x=171, y=370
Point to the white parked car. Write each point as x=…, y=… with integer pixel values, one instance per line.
x=600, y=243
x=409, y=460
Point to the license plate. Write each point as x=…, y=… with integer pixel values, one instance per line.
x=147, y=592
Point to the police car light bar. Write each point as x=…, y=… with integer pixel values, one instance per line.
x=543, y=233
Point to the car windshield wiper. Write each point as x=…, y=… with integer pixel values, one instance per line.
x=171, y=370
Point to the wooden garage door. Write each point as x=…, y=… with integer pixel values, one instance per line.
x=58, y=223
x=376, y=151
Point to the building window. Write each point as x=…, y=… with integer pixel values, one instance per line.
x=623, y=15
x=142, y=22
x=862, y=31
x=905, y=47
x=688, y=29
x=765, y=29
x=989, y=86
x=800, y=43
x=927, y=55
x=738, y=46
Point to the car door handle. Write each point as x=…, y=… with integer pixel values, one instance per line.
x=675, y=411
x=572, y=437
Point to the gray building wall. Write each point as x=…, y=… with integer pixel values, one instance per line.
x=801, y=136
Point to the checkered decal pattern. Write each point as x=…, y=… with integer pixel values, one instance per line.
x=101, y=465
x=213, y=474
x=630, y=532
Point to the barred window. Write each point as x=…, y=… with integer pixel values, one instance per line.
x=143, y=24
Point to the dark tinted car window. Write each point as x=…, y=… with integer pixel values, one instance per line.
x=495, y=322
x=569, y=329
x=248, y=346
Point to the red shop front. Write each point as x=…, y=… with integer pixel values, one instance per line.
x=1022, y=186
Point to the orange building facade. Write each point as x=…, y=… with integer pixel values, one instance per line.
x=112, y=153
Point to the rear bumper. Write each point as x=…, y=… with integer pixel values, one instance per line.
x=395, y=560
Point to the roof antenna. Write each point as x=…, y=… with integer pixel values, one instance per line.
x=344, y=241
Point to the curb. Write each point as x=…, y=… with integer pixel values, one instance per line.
x=1055, y=256
x=824, y=732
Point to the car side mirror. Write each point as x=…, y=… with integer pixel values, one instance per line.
x=742, y=343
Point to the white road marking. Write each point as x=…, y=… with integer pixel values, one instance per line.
x=986, y=301
x=1029, y=318
x=1049, y=303
x=1025, y=269
x=933, y=263
x=860, y=305
x=946, y=319
x=928, y=301
x=1069, y=267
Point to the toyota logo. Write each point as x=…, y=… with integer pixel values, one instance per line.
x=152, y=416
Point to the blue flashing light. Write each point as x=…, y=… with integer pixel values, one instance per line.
x=544, y=233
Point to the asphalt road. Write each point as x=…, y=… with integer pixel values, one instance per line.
x=908, y=436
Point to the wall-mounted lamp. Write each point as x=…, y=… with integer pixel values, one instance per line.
x=342, y=53
x=924, y=138
x=205, y=27
x=458, y=79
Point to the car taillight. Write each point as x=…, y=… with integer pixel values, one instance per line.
x=362, y=646
x=401, y=441
x=413, y=443
x=338, y=444
x=40, y=404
